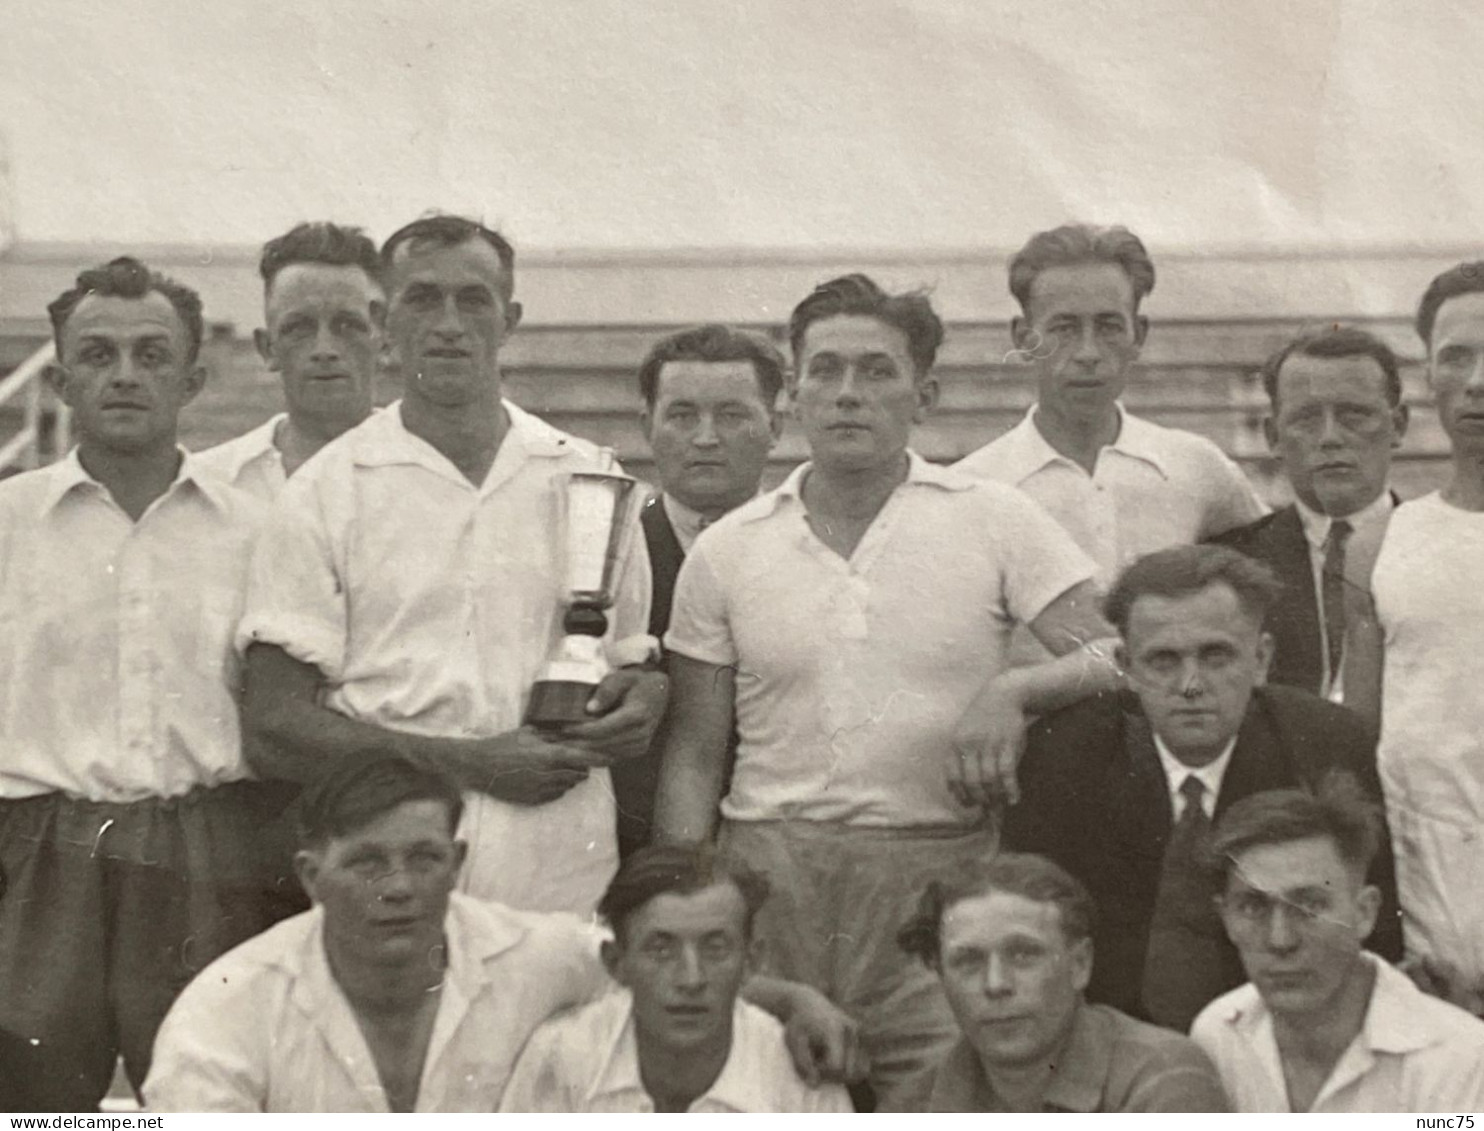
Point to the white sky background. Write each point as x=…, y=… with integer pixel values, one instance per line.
x=660, y=124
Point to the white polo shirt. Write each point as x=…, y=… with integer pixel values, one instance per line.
x=120, y=676
x=853, y=674
x=1413, y=1053
x=266, y=1027
x=587, y=1060
x=430, y=605
x=251, y=462
x=1151, y=488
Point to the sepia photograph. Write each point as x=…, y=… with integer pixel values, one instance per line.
x=699, y=556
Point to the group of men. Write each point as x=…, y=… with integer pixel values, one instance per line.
x=975, y=787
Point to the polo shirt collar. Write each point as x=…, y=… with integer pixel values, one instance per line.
x=920, y=473
x=68, y=475
x=1137, y=439
x=255, y=445
x=384, y=441
x=735, y=1088
x=1076, y=1085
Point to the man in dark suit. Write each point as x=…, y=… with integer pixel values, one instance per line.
x=1121, y=788
x=710, y=415
x=1337, y=415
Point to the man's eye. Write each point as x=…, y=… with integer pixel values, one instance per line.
x=717, y=950
x=475, y=300
x=825, y=368
x=684, y=416
x=348, y=324
x=153, y=355
x=879, y=371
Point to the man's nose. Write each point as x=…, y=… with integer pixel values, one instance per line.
x=1475, y=382
x=996, y=977
x=395, y=885
x=126, y=373
x=850, y=387
x=326, y=348
x=692, y=973
x=449, y=324
x=1282, y=935
x=1331, y=435
x=1192, y=682
x=1086, y=348
x=705, y=434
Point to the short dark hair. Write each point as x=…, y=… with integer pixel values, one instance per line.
x=126, y=277
x=911, y=313
x=1334, y=342
x=441, y=230
x=358, y=791
x=1181, y=571
x=714, y=342
x=1013, y=873
x=1464, y=279
x=1073, y=244
x=1338, y=811
x=334, y=245
x=681, y=869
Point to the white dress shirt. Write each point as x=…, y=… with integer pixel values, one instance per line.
x=430, y=605
x=686, y=523
x=120, y=676
x=267, y=1028
x=1210, y=775
x=1414, y=1053
x=587, y=1060
x=1367, y=529
x=250, y=462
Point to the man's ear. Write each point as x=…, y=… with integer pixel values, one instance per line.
x=1401, y=416
x=193, y=382
x=646, y=421
x=1264, y=657
x=59, y=380
x=264, y=343
x=460, y=854
x=927, y=398
x=610, y=952
x=1368, y=904
x=1141, y=330
x=1081, y=958
x=1270, y=430
x=1020, y=335
x=306, y=867
x=513, y=311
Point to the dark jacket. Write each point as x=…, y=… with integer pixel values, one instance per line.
x=1095, y=799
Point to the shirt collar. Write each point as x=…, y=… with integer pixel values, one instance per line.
x=1137, y=439
x=255, y=445
x=686, y=523
x=920, y=473
x=735, y=1088
x=1316, y=525
x=384, y=441
x=68, y=475
x=1210, y=775
x=1076, y=1085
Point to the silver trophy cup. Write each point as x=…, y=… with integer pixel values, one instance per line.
x=597, y=517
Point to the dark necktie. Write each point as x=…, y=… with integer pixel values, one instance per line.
x=1332, y=593
x=1183, y=964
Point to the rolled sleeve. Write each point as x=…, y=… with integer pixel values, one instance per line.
x=1234, y=501
x=1041, y=560
x=699, y=626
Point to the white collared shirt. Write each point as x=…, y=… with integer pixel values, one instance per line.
x=266, y=1027
x=1414, y=1053
x=1210, y=775
x=856, y=672
x=1367, y=529
x=1152, y=487
x=587, y=1060
x=430, y=605
x=250, y=462
x=686, y=523
x=120, y=677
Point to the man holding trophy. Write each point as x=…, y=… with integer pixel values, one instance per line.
x=456, y=581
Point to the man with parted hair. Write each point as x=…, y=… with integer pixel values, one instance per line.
x=1011, y=939
x=1121, y=789
x=848, y=622
x=395, y=993
x=1322, y=1025
x=409, y=592
x=711, y=417
x=324, y=310
x=128, y=823
x=675, y=1035
x=1120, y=485
x=1430, y=613
x=1337, y=416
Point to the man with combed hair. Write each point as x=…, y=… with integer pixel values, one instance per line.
x=1323, y=1025
x=1121, y=789
x=848, y=622
x=409, y=596
x=394, y=993
x=1121, y=486
x=1337, y=416
x=711, y=418
x=1011, y=940
x=1430, y=607
x=324, y=309
x=127, y=823
x=676, y=1036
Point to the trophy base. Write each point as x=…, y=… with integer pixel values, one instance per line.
x=556, y=703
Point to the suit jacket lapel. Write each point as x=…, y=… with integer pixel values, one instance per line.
x=1259, y=760
x=1296, y=618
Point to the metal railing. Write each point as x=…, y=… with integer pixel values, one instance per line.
x=35, y=443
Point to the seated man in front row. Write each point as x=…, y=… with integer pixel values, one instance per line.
x=676, y=1037
x=1323, y=1026
x=394, y=993
x=1012, y=942
x=1121, y=789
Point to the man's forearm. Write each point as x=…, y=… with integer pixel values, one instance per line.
x=689, y=792
x=1068, y=679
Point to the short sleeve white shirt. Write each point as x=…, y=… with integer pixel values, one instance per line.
x=266, y=1027
x=429, y=605
x=587, y=1060
x=1413, y=1053
x=120, y=676
x=250, y=462
x=853, y=674
x=1151, y=488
